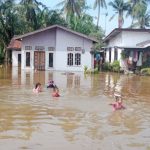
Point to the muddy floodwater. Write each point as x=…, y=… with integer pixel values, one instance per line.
x=81, y=119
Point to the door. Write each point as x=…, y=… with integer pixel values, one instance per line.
x=39, y=60
x=50, y=59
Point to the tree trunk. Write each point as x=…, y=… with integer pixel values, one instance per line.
x=98, y=16
x=120, y=20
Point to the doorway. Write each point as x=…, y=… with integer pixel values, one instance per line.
x=39, y=60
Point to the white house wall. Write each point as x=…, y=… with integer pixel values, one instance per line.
x=15, y=58
x=130, y=39
x=66, y=39
x=45, y=39
x=117, y=40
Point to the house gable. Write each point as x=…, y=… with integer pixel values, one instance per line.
x=53, y=27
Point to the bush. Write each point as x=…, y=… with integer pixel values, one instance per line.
x=85, y=69
x=107, y=66
x=146, y=64
x=90, y=71
x=1, y=58
x=145, y=71
x=115, y=66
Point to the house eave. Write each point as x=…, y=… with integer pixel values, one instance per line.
x=116, y=31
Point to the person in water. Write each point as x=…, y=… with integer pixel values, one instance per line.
x=55, y=92
x=37, y=88
x=118, y=102
x=50, y=84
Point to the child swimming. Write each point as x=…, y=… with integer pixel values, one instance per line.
x=37, y=88
x=55, y=92
x=50, y=84
x=118, y=102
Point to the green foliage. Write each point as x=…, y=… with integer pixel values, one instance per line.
x=120, y=6
x=115, y=66
x=107, y=66
x=145, y=71
x=90, y=71
x=146, y=64
x=85, y=69
x=1, y=56
x=124, y=54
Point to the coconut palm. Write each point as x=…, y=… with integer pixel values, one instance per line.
x=72, y=8
x=119, y=7
x=143, y=20
x=137, y=7
x=30, y=8
x=99, y=4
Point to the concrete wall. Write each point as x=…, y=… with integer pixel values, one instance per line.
x=117, y=40
x=15, y=58
x=130, y=39
x=66, y=39
x=45, y=39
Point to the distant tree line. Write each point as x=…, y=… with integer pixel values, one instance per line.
x=21, y=16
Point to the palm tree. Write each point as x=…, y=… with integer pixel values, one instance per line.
x=72, y=8
x=119, y=7
x=137, y=7
x=143, y=20
x=99, y=4
x=30, y=8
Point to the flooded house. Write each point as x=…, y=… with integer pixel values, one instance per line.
x=131, y=47
x=54, y=48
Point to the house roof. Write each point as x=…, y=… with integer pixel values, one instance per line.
x=14, y=44
x=143, y=44
x=116, y=31
x=55, y=26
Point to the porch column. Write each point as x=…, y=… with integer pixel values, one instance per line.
x=23, y=61
x=112, y=54
x=32, y=59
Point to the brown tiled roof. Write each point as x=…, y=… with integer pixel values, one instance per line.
x=56, y=26
x=14, y=44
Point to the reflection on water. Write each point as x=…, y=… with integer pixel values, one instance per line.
x=80, y=119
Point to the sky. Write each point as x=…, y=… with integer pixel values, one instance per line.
x=104, y=22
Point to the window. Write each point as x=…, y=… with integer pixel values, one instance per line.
x=39, y=48
x=115, y=54
x=19, y=58
x=28, y=47
x=70, y=48
x=50, y=59
x=77, y=59
x=28, y=59
x=51, y=48
x=70, y=59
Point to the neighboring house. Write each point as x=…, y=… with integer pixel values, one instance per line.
x=15, y=47
x=55, y=48
x=131, y=47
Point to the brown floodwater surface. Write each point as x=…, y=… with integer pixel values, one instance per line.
x=81, y=119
